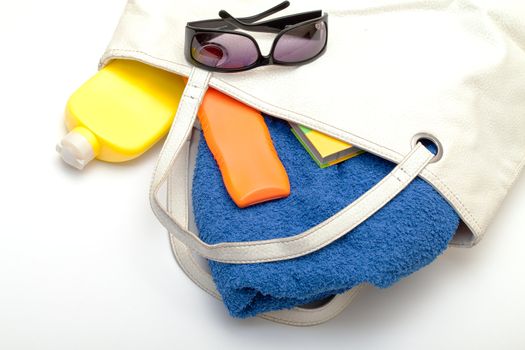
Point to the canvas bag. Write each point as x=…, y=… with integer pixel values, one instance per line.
x=394, y=72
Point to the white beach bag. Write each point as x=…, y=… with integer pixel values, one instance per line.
x=395, y=72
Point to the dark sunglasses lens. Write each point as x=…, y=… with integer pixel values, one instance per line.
x=224, y=50
x=301, y=43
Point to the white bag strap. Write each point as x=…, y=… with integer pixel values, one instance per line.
x=297, y=316
x=178, y=205
x=272, y=249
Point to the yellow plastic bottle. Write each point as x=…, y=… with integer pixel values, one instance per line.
x=119, y=113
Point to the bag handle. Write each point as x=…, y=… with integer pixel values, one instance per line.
x=178, y=206
x=272, y=249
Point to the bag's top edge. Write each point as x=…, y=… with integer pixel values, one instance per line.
x=466, y=236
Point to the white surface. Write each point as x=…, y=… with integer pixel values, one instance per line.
x=108, y=281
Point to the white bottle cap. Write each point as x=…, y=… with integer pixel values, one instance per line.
x=76, y=150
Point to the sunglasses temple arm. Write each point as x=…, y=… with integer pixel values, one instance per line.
x=265, y=14
x=239, y=23
x=247, y=22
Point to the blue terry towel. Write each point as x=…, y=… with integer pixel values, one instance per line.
x=405, y=235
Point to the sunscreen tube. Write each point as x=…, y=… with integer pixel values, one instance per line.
x=241, y=144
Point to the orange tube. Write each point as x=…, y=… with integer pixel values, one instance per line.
x=241, y=144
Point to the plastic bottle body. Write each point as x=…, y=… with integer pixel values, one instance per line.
x=121, y=112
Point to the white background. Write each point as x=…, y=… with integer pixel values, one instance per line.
x=85, y=265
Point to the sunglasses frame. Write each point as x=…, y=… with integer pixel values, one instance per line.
x=280, y=25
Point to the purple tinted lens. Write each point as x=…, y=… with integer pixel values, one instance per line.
x=224, y=50
x=301, y=43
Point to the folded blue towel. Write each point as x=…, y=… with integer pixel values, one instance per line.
x=405, y=235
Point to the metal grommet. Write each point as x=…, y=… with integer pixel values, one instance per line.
x=422, y=136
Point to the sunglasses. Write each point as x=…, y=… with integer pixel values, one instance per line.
x=216, y=45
